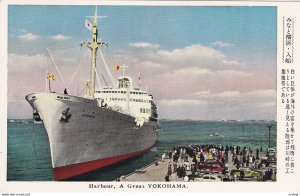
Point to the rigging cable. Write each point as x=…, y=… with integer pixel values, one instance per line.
x=63, y=48
x=77, y=69
x=57, y=69
x=107, y=69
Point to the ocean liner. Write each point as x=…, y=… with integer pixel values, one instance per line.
x=104, y=127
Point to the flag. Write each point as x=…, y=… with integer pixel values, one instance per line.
x=117, y=67
x=140, y=79
x=50, y=76
x=88, y=25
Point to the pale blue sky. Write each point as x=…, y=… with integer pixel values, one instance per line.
x=251, y=29
x=242, y=38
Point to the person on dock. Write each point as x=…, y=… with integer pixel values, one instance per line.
x=65, y=91
x=163, y=157
x=201, y=158
x=156, y=159
x=178, y=171
x=167, y=178
x=174, y=167
x=170, y=155
x=169, y=169
x=242, y=174
x=247, y=161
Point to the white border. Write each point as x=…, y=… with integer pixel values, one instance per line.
x=284, y=182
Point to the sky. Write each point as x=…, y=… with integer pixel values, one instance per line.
x=200, y=63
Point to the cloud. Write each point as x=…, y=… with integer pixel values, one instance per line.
x=59, y=37
x=268, y=93
x=222, y=44
x=196, y=55
x=18, y=63
x=231, y=63
x=27, y=74
x=144, y=45
x=196, y=81
x=205, y=105
x=28, y=37
x=21, y=30
x=191, y=69
x=182, y=102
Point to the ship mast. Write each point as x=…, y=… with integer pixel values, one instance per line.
x=93, y=46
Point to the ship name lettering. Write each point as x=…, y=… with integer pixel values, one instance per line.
x=88, y=115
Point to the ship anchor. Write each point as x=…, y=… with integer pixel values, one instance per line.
x=65, y=115
x=36, y=115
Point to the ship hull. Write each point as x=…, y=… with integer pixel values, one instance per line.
x=84, y=137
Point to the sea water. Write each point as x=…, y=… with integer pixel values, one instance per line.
x=29, y=159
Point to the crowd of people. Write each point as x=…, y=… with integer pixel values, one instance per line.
x=184, y=160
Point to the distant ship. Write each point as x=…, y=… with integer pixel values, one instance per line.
x=104, y=127
x=216, y=134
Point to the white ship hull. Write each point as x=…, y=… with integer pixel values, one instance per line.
x=92, y=137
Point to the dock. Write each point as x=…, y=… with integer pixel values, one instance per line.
x=157, y=171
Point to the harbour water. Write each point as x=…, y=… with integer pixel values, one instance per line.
x=28, y=156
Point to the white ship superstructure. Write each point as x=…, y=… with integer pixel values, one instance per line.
x=124, y=97
x=104, y=127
